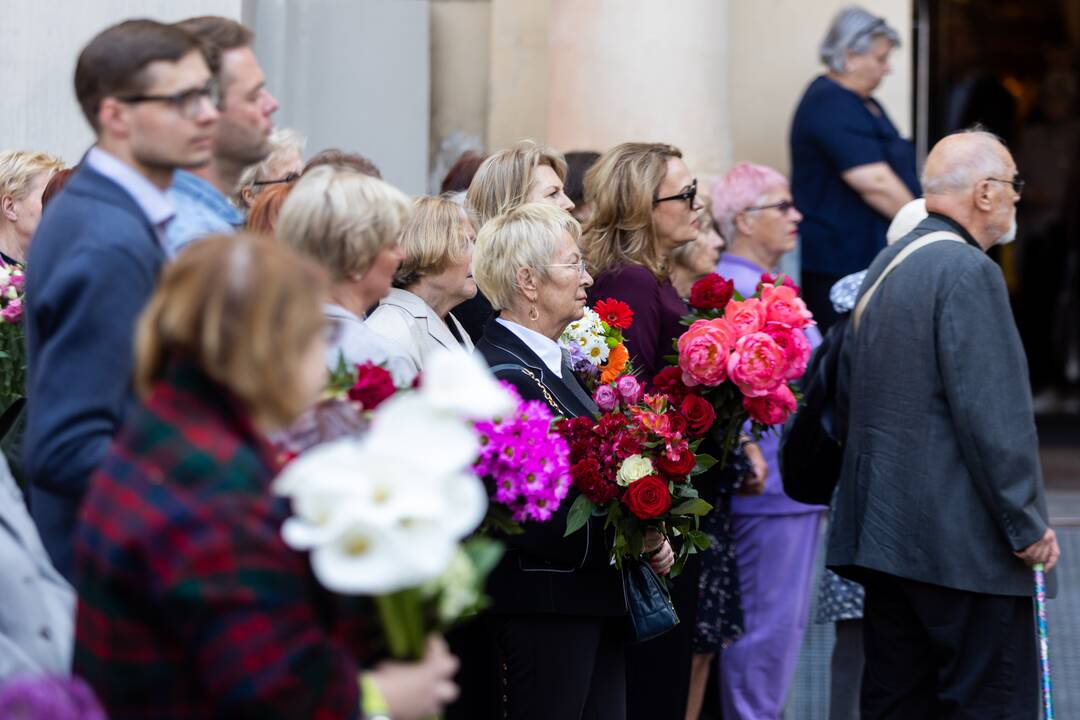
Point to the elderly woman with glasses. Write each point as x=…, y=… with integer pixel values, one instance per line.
x=349, y=224
x=775, y=537
x=850, y=169
x=559, y=613
x=435, y=275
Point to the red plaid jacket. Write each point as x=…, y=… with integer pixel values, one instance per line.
x=190, y=604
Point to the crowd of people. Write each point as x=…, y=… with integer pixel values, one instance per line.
x=192, y=281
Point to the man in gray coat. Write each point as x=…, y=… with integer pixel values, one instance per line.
x=940, y=509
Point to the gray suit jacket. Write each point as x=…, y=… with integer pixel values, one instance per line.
x=941, y=479
x=37, y=606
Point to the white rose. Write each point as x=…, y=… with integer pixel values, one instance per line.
x=633, y=469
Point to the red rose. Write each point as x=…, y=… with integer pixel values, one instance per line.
x=711, y=292
x=677, y=425
x=373, y=385
x=648, y=497
x=677, y=468
x=626, y=445
x=669, y=382
x=615, y=313
x=590, y=481
x=699, y=414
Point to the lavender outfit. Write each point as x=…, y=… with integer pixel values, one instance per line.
x=776, y=541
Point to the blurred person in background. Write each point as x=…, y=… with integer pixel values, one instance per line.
x=435, y=275
x=283, y=164
x=460, y=175
x=56, y=183
x=341, y=160
x=577, y=164
x=524, y=172
x=202, y=195
x=23, y=177
x=349, y=223
x=264, y=212
x=850, y=169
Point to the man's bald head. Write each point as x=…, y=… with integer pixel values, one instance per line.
x=961, y=160
x=968, y=177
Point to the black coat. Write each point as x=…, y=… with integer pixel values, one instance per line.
x=544, y=572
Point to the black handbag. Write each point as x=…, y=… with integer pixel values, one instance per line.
x=811, y=452
x=651, y=610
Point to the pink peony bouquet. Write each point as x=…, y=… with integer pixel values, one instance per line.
x=12, y=335
x=741, y=354
x=525, y=463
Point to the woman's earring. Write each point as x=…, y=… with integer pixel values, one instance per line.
x=534, y=314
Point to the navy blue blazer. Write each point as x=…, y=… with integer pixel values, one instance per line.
x=542, y=571
x=93, y=264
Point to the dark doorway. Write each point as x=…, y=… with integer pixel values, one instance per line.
x=1014, y=67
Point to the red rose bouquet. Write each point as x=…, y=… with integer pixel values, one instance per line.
x=739, y=356
x=634, y=464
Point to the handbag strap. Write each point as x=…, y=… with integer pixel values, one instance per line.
x=916, y=245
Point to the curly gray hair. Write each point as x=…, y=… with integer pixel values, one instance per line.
x=853, y=30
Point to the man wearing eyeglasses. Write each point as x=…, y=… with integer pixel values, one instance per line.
x=941, y=510
x=145, y=89
x=243, y=134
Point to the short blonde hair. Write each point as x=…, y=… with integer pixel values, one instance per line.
x=502, y=183
x=244, y=308
x=18, y=168
x=622, y=186
x=342, y=219
x=282, y=142
x=435, y=237
x=525, y=237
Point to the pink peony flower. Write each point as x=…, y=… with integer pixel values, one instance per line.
x=747, y=316
x=629, y=389
x=704, y=350
x=757, y=364
x=796, y=348
x=783, y=305
x=606, y=398
x=771, y=409
x=13, y=312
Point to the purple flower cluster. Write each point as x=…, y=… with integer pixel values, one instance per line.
x=527, y=462
x=57, y=698
x=580, y=363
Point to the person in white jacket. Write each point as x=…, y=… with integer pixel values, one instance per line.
x=37, y=605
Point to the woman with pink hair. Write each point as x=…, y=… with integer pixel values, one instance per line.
x=775, y=537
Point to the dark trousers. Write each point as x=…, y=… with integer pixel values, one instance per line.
x=570, y=668
x=815, y=293
x=934, y=652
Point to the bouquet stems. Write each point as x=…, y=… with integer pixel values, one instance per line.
x=402, y=622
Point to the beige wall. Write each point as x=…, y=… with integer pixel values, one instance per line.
x=517, y=104
x=460, y=63
x=640, y=70
x=39, y=43
x=773, y=57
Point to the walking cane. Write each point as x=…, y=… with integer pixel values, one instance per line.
x=1044, y=642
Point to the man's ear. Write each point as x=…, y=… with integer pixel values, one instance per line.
x=981, y=196
x=114, y=118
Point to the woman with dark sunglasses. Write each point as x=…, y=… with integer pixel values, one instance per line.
x=645, y=205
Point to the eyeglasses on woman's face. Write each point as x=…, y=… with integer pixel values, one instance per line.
x=580, y=265
x=689, y=195
x=291, y=177
x=784, y=206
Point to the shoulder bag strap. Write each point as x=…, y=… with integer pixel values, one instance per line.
x=900, y=257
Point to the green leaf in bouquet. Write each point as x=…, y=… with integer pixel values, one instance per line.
x=499, y=519
x=695, y=506
x=580, y=512
x=704, y=462
x=699, y=539
x=485, y=554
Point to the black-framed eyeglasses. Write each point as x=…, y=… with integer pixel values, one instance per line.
x=187, y=102
x=1017, y=183
x=688, y=195
x=291, y=177
x=783, y=206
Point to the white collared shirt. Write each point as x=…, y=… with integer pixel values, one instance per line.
x=153, y=201
x=545, y=348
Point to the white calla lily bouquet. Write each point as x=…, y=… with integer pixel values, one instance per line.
x=385, y=514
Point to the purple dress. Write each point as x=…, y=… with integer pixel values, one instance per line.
x=775, y=541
